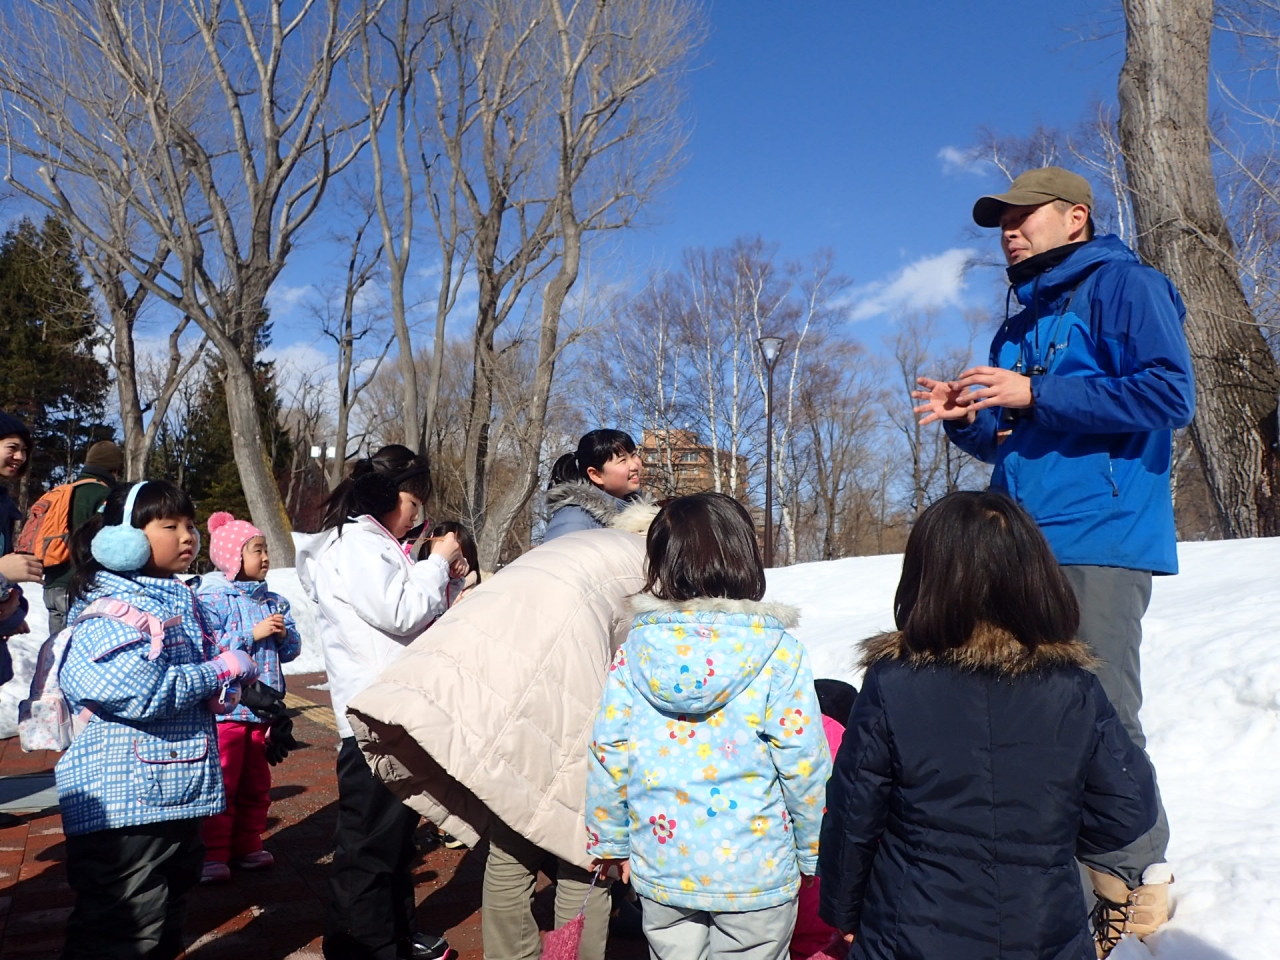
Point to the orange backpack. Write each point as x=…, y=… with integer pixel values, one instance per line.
x=48, y=525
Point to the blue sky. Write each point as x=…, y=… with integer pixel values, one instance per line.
x=828, y=123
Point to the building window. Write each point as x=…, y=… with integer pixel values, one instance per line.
x=689, y=458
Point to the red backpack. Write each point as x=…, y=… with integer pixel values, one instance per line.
x=48, y=525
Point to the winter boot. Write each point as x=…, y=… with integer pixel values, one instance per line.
x=1120, y=910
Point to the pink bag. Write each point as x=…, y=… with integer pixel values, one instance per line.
x=563, y=943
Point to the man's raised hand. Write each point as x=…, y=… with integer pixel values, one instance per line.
x=943, y=400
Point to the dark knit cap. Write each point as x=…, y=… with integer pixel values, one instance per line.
x=11, y=426
x=105, y=454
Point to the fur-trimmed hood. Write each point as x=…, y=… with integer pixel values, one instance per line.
x=601, y=506
x=696, y=655
x=637, y=517
x=786, y=615
x=989, y=648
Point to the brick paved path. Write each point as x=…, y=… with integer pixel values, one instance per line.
x=269, y=915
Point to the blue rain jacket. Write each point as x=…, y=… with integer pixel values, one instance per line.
x=1090, y=459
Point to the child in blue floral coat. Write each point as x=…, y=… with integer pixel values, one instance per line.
x=710, y=762
x=136, y=780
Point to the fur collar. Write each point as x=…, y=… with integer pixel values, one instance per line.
x=988, y=649
x=636, y=518
x=786, y=615
x=602, y=506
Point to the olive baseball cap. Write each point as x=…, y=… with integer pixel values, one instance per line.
x=1032, y=189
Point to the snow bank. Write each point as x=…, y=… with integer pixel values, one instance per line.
x=1212, y=717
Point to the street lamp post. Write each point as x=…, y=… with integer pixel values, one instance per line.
x=770, y=350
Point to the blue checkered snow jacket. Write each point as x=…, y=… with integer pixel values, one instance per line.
x=230, y=609
x=150, y=753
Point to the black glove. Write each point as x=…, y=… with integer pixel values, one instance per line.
x=266, y=702
x=280, y=739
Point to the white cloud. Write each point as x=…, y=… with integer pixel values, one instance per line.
x=955, y=160
x=281, y=298
x=930, y=282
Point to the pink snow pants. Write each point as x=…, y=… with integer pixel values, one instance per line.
x=246, y=777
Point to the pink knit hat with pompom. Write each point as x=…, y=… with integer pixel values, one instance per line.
x=227, y=537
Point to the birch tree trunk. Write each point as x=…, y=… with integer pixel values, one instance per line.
x=1164, y=131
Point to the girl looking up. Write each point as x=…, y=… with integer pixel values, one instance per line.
x=135, y=782
x=374, y=600
x=593, y=484
x=981, y=756
x=709, y=764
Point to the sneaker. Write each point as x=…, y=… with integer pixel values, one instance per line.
x=451, y=842
x=423, y=946
x=1120, y=911
x=258, y=860
x=215, y=871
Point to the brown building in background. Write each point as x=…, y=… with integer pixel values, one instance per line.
x=677, y=464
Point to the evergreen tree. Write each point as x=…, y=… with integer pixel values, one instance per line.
x=53, y=376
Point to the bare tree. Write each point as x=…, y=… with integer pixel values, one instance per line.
x=554, y=120
x=349, y=326
x=225, y=188
x=1181, y=230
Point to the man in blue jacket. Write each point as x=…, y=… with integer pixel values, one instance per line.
x=1076, y=411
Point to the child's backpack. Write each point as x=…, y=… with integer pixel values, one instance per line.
x=45, y=719
x=48, y=525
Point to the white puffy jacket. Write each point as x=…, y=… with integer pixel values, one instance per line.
x=373, y=602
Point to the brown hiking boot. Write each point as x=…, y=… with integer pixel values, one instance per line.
x=1120, y=910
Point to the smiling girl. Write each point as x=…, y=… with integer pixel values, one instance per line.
x=592, y=484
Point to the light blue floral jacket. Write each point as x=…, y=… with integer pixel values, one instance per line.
x=709, y=763
x=150, y=753
x=230, y=609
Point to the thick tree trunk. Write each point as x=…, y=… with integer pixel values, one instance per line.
x=256, y=477
x=1164, y=132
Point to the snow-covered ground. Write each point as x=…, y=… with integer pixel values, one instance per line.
x=1212, y=716
x=1211, y=676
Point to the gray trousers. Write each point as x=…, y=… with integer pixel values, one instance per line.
x=507, y=925
x=55, y=601
x=679, y=933
x=1112, y=603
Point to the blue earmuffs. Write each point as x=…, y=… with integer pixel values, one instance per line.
x=122, y=547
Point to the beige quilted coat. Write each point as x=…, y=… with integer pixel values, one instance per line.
x=491, y=708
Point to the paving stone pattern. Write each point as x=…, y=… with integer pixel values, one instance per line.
x=266, y=915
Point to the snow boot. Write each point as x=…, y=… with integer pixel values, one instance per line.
x=1121, y=911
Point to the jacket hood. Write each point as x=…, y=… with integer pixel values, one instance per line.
x=1058, y=280
x=307, y=555
x=601, y=506
x=989, y=649
x=666, y=636
x=636, y=518
x=217, y=582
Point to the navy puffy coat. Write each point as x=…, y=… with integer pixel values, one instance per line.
x=1090, y=460
x=963, y=791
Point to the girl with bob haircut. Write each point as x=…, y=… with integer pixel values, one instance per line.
x=981, y=757
x=374, y=600
x=592, y=485
x=136, y=781
x=709, y=764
